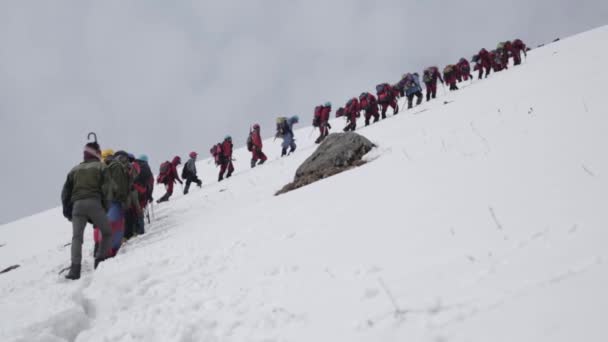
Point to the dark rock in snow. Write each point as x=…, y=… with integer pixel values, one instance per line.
x=337, y=153
x=10, y=268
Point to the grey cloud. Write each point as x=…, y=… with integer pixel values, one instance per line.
x=166, y=77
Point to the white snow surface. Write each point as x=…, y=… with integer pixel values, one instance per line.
x=483, y=219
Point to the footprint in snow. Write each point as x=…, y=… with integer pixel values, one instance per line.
x=370, y=293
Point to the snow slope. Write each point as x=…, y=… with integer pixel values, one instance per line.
x=483, y=219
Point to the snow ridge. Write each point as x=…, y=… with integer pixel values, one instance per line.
x=481, y=220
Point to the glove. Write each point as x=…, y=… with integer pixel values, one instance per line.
x=67, y=212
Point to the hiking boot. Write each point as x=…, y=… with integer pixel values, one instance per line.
x=220, y=178
x=261, y=162
x=74, y=272
x=253, y=163
x=98, y=261
x=229, y=174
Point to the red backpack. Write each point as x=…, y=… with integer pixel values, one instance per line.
x=316, y=121
x=216, y=152
x=340, y=112
x=163, y=172
x=363, y=102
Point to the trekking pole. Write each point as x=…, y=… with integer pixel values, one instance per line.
x=148, y=214
x=310, y=134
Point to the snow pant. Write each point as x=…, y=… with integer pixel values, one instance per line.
x=116, y=218
x=517, y=57
x=141, y=225
x=351, y=125
x=372, y=113
x=385, y=106
x=505, y=61
x=143, y=203
x=431, y=91
x=257, y=154
x=323, y=132
x=288, y=142
x=410, y=99
x=131, y=223
x=488, y=68
x=226, y=165
x=466, y=74
x=86, y=210
x=169, y=192
x=190, y=180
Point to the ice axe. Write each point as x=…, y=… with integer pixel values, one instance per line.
x=148, y=214
x=94, y=136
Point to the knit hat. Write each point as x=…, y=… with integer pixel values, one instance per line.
x=92, y=151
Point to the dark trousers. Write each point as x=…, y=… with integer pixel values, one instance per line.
x=371, y=113
x=385, y=106
x=131, y=223
x=517, y=58
x=257, y=154
x=89, y=210
x=226, y=166
x=190, y=180
x=323, y=132
x=431, y=91
x=169, y=187
x=410, y=99
x=351, y=125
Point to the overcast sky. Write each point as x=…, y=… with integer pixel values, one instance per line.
x=167, y=77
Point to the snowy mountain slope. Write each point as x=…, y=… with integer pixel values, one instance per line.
x=479, y=220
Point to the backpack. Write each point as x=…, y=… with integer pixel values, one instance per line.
x=316, y=121
x=281, y=122
x=216, y=152
x=144, y=173
x=409, y=82
x=364, y=102
x=448, y=69
x=384, y=94
x=186, y=169
x=427, y=77
x=163, y=172
x=475, y=58
x=250, y=142
x=340, y=112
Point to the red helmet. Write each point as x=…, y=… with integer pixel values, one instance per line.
x=193, y=154
x=256, y=126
